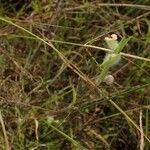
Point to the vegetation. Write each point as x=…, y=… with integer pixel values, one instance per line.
x=53, y=66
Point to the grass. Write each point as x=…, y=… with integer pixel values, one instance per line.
x=49, y=58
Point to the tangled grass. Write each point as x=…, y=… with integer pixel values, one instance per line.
x=50, y=57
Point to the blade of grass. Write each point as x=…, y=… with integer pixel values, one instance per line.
x=100, y=137
x=121, y=45
x=101, y=48
x=4, y=132
x=145, y=7
x=79, y=146
x=90, y=46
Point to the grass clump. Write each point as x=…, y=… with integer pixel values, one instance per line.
x=52, y=54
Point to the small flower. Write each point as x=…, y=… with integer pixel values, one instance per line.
x=114, y=36
x=112, y=42
x=109, y=79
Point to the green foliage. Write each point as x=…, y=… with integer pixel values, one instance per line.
x=112, y=58
x=121, y=45
x=51, y=53
x=148, y=34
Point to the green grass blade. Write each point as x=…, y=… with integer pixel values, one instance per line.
x=75, y=143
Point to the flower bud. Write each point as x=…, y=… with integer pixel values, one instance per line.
x=109, y=79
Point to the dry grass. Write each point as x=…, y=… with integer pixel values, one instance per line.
x=49, y=59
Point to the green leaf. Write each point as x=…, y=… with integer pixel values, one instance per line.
x=50, y=119
x=112, y=44
x=121, y=45
x=148, y=34
x=110, y=60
